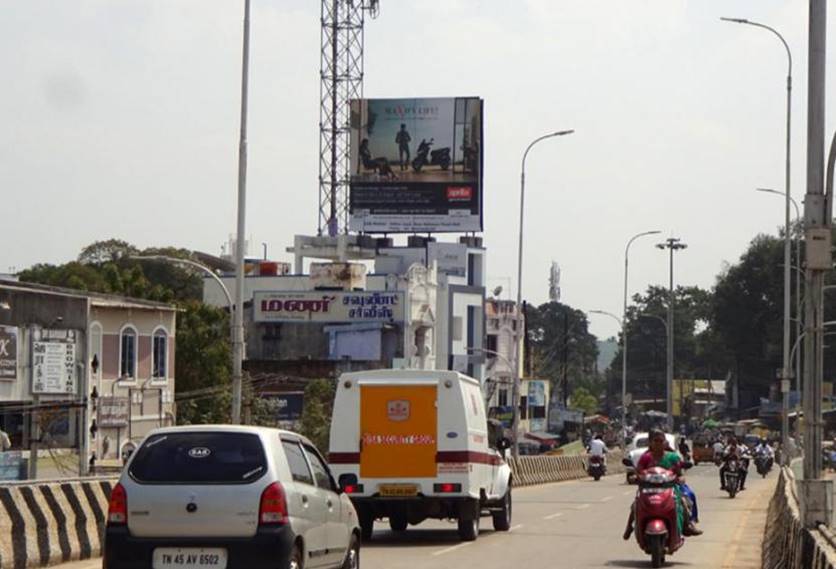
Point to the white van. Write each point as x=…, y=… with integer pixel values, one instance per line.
x=408, y=445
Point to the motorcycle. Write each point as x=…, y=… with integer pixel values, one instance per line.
x=731, y=477
x=656, y=526
x=596, y=467
x=763, y=465
x=424, y=156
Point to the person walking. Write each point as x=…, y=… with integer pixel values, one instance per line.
x=402, y=139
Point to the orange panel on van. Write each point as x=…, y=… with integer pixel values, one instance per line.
x=398, y=431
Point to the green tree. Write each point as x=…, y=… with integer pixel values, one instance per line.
x=584, y=400
x=316, y=413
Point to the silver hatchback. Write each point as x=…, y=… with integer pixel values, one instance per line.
x=229, y=497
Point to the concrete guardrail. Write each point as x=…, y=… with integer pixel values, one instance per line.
x=52, y=522
x=786, y=544
x=529, y=470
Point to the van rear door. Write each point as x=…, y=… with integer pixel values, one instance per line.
x=398, y=430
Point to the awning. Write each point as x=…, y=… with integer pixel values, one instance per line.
x=546, y=438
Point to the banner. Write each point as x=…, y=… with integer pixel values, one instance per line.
x=416, y=165
x=53, y=367
x=113, y=412
x=328, y=306
x=8, y=353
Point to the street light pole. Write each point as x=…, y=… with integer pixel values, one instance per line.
x=516, y=388
x=624, y=338
x=672, y=244
x=240, y=249
x=785, y=367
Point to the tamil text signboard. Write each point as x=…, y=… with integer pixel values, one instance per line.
x=113, y=412
x=8, y=353
x=329, y=306
x=416, y=165
x=53, y=367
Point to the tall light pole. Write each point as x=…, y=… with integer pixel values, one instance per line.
x=785, y=367
x=797, y=280
x=624, y=337
x=672, y=244
x=240, y=249
x=621, y=324
x=516, y=389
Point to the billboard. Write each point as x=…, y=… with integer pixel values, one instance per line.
x=8, y=352
x=53, y=367
x=328, y=306
x=416, y=165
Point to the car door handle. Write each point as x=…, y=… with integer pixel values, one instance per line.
x=330, y=504
x=305, y=501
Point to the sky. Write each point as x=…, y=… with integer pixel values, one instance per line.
x=120, y=119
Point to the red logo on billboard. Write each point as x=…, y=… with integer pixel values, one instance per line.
x=397, y=410
x=459, y=193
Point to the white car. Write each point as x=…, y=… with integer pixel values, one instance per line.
x=635, y=450
x=229, y=497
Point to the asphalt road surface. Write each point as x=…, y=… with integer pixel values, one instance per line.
x=578, y=524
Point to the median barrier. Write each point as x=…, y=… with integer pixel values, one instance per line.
x=51, y=522
x=786, y=544
x=530, y=470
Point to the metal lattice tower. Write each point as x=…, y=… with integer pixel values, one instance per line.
x=341, y=79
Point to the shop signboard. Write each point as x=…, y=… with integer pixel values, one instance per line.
x=53, y=367
x=416, y=165
x=8, y=353
x=328, y=306
x=113, y=412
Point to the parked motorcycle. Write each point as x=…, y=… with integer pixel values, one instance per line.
x=656, y=527
x=763, y=465
x=596, y=467
x=425, y=156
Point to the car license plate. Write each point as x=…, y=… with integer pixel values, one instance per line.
x=189, y=558
x=398, y=490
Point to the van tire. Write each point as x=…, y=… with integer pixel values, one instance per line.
x=502, y=516
x=398, y=523
x=296, y=560
x=468, y=528
x=366, y=524
x=352, y=556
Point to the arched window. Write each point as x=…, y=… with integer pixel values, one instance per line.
x=127, y=353
x=159, y=355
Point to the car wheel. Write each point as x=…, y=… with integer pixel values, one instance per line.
x=366, y=525
x=469, y=529
x=502, y=517
x=295, y=558
x=352, y=558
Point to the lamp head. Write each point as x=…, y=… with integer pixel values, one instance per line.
x=736, y=20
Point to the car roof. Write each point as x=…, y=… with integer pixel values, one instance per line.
x=252, y=429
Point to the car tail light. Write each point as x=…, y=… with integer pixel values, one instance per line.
x=273, y=509
x=447, y=488
x=353, y=488
x=117, y=509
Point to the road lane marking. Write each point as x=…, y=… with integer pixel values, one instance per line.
x=606, y=499
x=628, y=492
x=518, y=526
x=452, y=548
x=582, y=507
x=553, y=516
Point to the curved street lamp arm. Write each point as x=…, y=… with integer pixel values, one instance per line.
x=769, y=28
x=544, y=137
x=190, y=263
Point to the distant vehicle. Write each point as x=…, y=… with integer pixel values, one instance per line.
x=702, y=451
x=217, y=496
x=635, y=450
x=409, y=445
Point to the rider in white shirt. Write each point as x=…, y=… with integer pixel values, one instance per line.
x=597, y=447
x=764, y=449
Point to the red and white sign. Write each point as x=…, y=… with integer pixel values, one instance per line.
x=397, y=410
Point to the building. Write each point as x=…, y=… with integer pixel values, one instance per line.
x=83, y=371
x=501, y=321
x=417, y=306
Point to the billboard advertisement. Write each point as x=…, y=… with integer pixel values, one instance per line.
x=8, y=353
x=328, y=306
x=416, y=165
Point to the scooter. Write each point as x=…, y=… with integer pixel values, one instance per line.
x=424, y=156
x=656, y=527
x=763, y=465
x=596, y=467
x=731, y=477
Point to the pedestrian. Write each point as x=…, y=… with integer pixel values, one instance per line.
x=5, y=442
x=402, y=139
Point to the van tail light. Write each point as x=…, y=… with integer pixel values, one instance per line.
x=353, y=488
x=117, y=509
x=273, y=509
x=447, y=488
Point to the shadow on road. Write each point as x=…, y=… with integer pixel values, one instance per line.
x=643, y=563
x=420, y=537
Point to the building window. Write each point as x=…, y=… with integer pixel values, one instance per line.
x=491, y=345
x=159, y=355
x=127, y=353
x=503, y=398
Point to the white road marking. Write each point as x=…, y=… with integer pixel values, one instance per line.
x=628, y=492
x=582, y=507
x=515, y=527
x=553, y=516
x=606, y=499
x=453, y=548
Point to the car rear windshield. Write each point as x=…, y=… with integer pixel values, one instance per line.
x=199, y=458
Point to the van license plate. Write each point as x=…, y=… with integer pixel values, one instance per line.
x=189, y=558
x=398, y=490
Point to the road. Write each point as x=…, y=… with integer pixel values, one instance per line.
x=578, y=524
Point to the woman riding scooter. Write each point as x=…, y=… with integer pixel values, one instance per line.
x=659, y=455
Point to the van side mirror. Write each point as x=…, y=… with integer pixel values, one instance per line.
x=503, y=443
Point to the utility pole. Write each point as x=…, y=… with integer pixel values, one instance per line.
x=816, y=493
x=673, y=244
